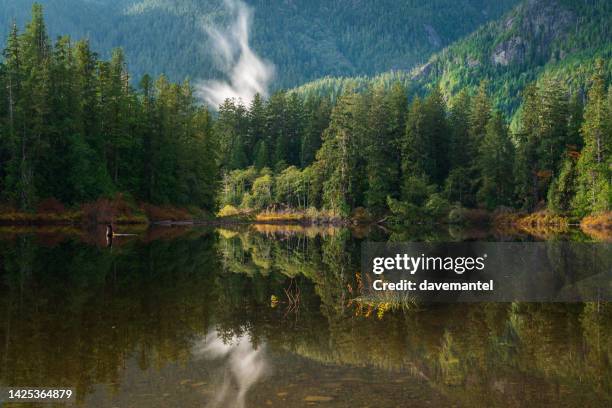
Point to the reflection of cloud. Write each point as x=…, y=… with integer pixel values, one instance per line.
x=244, y=366
x=247, y=73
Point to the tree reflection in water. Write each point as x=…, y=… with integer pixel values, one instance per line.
x=131, y=327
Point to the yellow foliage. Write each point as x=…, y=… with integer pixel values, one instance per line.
x=598, y=226
x=228, y=211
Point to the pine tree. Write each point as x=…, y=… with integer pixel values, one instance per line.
x=232, y=130
x=73, y=128
x=16, y=165
x=416, y=158
x=594, y=165
x=276, y=128
x=256, y=131
x=437, y=133
x=563, y=187
x=34, y=104
x=382, y=175
x=553, y=138
x=317, y=119
x=261, y=157
x=294, y=129
x=479, y=116
x=337, y=158
x=574, y=122
x=462, y=150
x=398, y=106
x=461, y=183
x=150, y=132
x=526, y=171
x=496, y=157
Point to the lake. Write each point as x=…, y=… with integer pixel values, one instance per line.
x=257, y=316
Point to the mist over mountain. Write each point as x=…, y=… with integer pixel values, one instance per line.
x=304, y=39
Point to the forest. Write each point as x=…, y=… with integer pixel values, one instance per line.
x=377, y=151
x=328, y=37
x=74, y=129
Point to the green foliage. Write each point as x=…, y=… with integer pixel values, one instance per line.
x=563, y=188
x=535, y=41
x=73, y=128
x=261, y=193
x=384, y=155
x=594, y=167
x=253, y=189
x=495, y=162
x=327, y=37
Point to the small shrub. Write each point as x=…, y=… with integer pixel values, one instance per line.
x=437, y=207
x=228, y=211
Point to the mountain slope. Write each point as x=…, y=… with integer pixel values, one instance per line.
x=537, y=39
x=305, y=39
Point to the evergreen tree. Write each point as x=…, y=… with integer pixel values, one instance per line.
x=380, y=147
x=318, y=112
x=461, y=146
x=479, y=117
x=74, y=129
x=34, y=99
x=574, y=122
x=16, y=165
x=294, y=128
x=232, y=131
x=563, y=188
x=255, y=140
x=461, y=183
x=526, y=170
x=337, y=158
x=416, y=155
x=496, y=157
x=553, y=139
x=593, y=192
x=276, y=128
x=437, y=134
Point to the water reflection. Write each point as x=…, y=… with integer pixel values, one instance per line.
x=132, y=327
x=243, y=366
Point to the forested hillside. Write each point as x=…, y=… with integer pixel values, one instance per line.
x=451, y=146
x=74, y=128
x=537, y=40
x=305, y=39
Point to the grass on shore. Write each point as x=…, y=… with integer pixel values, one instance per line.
x=307, y=216
x=287, y=215
x=116, y=210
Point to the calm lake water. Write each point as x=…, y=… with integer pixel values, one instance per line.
x=264, y=316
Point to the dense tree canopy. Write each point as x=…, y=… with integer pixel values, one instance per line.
x=73, y=128
x=304, y=39
x=379, y=152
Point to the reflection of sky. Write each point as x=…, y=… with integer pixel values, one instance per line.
x=243, y=366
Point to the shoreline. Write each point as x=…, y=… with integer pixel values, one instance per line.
x=537, y=222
